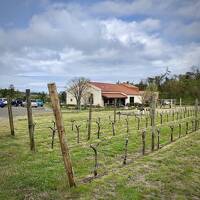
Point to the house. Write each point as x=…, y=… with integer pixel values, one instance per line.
x=107, y=93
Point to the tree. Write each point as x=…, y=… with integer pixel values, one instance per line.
x=150, y=91
x=78, y=89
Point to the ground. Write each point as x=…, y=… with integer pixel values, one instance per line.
x=172, y=172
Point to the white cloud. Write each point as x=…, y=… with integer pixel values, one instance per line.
x=62, y=42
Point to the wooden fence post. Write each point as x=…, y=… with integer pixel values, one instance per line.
x=113, y=127
x=30, y=120
x=196, y=113
x=127, y=125
x=179, y=130
x=172, y=132
x=61, y=133
x=185, y=112
x=193, y=123
x=10, y=115
x=115, y=107
x=78, y=132
x=177, y=114
x=158, y=137
x=90, y=117
x=186, y=129
x=153, y=113
x=125, y=151
x=119, y=115
x=138, y=123
x=72, y=121
x=173, y=114
x=143, y=141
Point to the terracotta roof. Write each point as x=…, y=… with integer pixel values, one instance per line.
x=114, y=95
x=120, y=88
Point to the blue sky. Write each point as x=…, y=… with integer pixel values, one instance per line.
x=45, y=41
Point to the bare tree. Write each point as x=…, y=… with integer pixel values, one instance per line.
x=150, y=91
x=78, y=89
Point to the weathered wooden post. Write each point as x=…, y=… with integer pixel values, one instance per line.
x=193, y=123
x=177, y=115
x=119, y=115
x=196, y=113
x=186, y=130
x=158, y=137
x=153, y=111
x=113, y=127
x=30, y=120
x=90, y=117
x=172, y=132
x=10, y=115
x=127, y=125
x=61, y=133
x=72, y=121
x=180, y=102
x=125, y=151
x=115, y=107
x=179, y=130
x=185, y=112
x=173, y=114
x=143, y=141
x=138, y=123
x=86, y=125
x=167, y=117
x=78, y=132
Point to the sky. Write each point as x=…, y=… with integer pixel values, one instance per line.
x=44, y=41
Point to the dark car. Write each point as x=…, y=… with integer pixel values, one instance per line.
x=17, y=102
x=2, y=104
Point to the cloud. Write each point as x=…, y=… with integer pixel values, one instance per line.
x=63, y=42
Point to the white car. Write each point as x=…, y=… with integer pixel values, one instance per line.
x=33, y=103
x=4, y=100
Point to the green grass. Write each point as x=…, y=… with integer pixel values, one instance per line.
x=173, y=171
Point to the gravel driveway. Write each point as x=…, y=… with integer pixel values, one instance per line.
x=21, y=111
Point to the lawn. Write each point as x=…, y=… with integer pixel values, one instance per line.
x=170, y=173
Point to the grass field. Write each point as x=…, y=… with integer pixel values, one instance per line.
x=170, y=173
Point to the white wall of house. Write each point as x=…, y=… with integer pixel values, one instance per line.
x=137, y=99
x=97, y=97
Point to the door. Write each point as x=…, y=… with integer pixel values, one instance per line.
x=132, y=101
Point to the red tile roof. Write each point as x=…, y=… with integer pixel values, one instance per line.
x=114, y=95
x=119, y=88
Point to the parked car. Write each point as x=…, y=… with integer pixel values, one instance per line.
x=33, y=103
x=39, y=102
x=4, y=100
x=2, y=104
x=17, y=102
